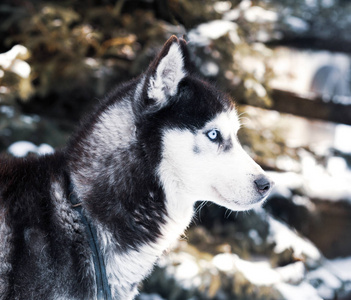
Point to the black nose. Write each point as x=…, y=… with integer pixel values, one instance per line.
x=263, y=185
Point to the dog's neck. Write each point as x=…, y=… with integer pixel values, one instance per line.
x=128, y=268
x=137, y=215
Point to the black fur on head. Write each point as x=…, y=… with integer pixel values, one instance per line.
x=193, y=101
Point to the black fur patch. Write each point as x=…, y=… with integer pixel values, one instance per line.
x=42, y=255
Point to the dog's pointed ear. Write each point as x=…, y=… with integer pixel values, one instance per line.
x=167, y=70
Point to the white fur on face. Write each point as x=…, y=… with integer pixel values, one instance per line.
x=203, y=170
x=169, y=73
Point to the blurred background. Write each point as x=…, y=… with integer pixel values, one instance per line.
x=287, y=65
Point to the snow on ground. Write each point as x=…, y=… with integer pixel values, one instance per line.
x=342, y=267
x=149, y=297
x=23, y=148
x=303, y=291
x=285, y=238
x=293, y=281
x=324, y=281
x=316, y=181
x=259, y=272
x=12, y=61
x=312, y=278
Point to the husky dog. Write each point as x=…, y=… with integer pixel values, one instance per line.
x=136, y=166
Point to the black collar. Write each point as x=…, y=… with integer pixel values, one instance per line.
x=103, y=289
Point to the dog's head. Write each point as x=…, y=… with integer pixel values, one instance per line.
x=201, y=157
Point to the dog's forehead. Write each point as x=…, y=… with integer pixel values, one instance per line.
x=227, y=122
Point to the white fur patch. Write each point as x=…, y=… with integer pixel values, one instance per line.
x=169, y=72
x=115, y=128
x=210, y=173
x=227, y=122
x=114, y=131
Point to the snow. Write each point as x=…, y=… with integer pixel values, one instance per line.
x=23, y=148
x=232, y=15
x=292, y=273
x=251, y=13
x=297, y=24
x=21, y=68
x=211, y=31
x=224, y=262
x=319, y=183
x=8, y=111
x=185, y=270
x=245, y=4
x=303, y=201
x=30, y=119
x=303, y=291
x=328, y=3
x=12, y=61
x=324, y=281
x=149, y=297
x=311, y=3
x=259, y=272
x=209, y=69
x=285, y=238
x=255, y=66
x=330, y=183
x=222, y=6
x=257, y=87
x=285, y=182
x=336, y=165
x=253, y=234
x=342, y=141
x=285, y=162
x=292, y=281
x=342, y=267
x=258, y=14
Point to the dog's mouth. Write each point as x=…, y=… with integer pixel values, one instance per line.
x=224, y=199
x=239, y=205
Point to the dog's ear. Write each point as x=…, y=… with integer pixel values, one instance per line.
x=167, y=70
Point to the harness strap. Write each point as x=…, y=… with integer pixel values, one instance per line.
x=103, y=289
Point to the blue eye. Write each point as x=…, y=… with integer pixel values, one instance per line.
x=213, y=135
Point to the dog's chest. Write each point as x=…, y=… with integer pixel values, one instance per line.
x=125, y=270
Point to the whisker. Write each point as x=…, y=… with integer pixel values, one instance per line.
x=241, y=114
x=227, y=213
x=200, y=206
x=198, y=210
